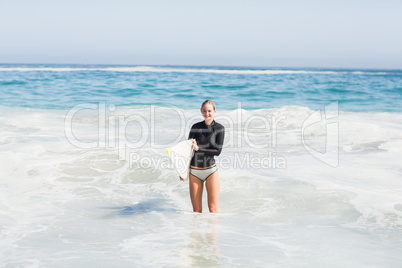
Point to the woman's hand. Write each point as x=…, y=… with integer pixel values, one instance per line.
x=182, y=179
x=195, y=146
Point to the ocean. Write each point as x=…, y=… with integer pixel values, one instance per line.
x=310, y=170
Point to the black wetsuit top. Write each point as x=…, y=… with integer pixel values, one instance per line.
x=209, y=140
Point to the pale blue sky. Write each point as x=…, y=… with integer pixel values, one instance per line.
x=350, y=34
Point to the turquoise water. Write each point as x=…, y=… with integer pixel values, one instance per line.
x=63, y=86
x=84, y=183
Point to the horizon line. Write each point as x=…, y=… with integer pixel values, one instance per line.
x=199, y=65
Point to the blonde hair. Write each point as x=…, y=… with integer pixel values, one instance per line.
x=208, y=102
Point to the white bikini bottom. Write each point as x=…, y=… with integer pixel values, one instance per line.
x=204, y=173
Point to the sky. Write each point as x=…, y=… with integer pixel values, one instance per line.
x=287, y=33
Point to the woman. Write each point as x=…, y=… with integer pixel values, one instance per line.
x=207, y=137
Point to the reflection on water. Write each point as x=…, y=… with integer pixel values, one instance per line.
x=202, y=247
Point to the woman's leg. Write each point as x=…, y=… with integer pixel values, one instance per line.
x=196, y=186
x=212, y=184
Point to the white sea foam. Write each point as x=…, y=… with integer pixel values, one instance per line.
x=98, y=207
x=184, y=70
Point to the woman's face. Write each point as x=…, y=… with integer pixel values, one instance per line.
x=208, y=111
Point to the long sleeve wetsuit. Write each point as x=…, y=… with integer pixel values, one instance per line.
x=210, y=142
